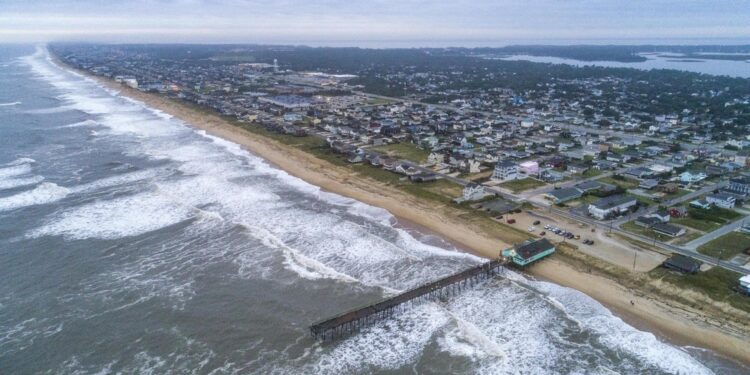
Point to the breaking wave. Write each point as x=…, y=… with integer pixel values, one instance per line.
x=45, y=193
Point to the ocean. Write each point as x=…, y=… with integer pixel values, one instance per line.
x=131, y=243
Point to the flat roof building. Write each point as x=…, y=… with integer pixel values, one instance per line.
x=529, y=251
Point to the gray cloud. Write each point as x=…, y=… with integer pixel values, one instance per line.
x=450, y=22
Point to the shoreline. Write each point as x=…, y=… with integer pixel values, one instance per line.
x=674, y=324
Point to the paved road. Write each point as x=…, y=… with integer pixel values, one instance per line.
x=708, y=237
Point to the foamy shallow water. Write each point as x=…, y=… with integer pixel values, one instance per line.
x=155, y=248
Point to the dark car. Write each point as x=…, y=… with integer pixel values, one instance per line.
x=536, y=222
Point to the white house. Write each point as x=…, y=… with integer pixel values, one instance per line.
x=505, y=170
x=613, y=205
x=689, y=177
x=472, y=192
x=722, y=200
x=435, y=158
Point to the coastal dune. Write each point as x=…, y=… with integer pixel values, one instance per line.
x=677, y=323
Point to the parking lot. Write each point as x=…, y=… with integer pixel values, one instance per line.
x=598, y=243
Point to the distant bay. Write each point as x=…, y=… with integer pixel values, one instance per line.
x=731, y=68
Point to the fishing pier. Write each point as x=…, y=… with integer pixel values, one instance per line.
x=352, y=321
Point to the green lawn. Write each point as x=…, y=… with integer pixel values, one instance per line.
x=408, y=151
x=717, y=283
x=701, y=225
x=687, y=238
x=378, y=101
x=521, y=185
x=632, y=227
x=727, y=246
x=625, y=183
x=707, y=220
x=643, y=200
x=583, y=201
x=591, y=172
x=677, y=194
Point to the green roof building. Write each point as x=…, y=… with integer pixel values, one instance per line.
x=529, y=251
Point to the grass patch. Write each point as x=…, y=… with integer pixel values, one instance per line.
x=701, y=225
x=687, y=238
x=378, y=101
x=726, y=246
x=591, y=172
x=625, y=183
x=632, y=227
x=408, y=151
x=583, y=201
x=445, y=188
x=523, y=184
x=707, y=220
x=677, y=194
x=643, y=200
x=717, y=283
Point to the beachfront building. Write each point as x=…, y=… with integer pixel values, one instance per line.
x=472, y=192
x=505, y=170
x=610, y=206
x=681, y=263
x=529, y=252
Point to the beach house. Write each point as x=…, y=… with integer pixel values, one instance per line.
x=529, y=251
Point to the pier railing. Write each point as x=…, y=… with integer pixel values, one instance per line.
x=352, y=321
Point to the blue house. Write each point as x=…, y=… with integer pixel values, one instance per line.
x=529, y=251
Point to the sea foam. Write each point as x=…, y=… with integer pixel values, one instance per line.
x=45, y=193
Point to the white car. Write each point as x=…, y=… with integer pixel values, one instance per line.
x=531, y=229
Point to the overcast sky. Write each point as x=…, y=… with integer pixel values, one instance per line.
x=397, y=22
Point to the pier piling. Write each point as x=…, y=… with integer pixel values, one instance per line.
x=354, y=320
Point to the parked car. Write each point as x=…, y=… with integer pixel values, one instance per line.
x=542, y=233
x=536, y=222
x=511, y=221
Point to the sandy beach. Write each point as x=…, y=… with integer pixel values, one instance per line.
x=672, y=321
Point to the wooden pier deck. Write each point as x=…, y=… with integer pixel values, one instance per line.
x=352, y=321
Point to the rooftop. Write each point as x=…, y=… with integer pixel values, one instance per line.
x=612, y=201
x=529, y=249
